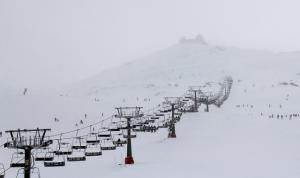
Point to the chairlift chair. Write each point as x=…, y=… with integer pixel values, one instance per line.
x=156, y=117
x=159, y=114
x=77, y=155
x=139, y=129
x=119, y=141
x=34, y=172
x=114, y=128
x=151, y=128
x=58, y=161
x=2, y=171
x=107, y=145
x=79, y=143
x=44, y=154
x=17, y=160
x=64, y=148
x=92, y=139
x=93, y=150
x=104, y=134
x=138, y=124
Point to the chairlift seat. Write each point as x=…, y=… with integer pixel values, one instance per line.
x=16, y=165
x=59, y=152
x=44, y=155
x=108, y=145
x=99, y=153
x=54, y=164
x=159, y=114
x=120, y=142
x=131, y=136
x=155, y=117
x=78, y=155
x=114, y=129
x=78, y=147
x=44, y=158
x=93, y=150
x=81, y=158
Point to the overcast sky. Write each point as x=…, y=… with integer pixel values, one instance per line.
x=52, y=43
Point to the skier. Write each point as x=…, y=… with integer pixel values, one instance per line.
x=25, y=91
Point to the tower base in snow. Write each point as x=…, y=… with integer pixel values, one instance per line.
x=172, y=135
x=129, y=160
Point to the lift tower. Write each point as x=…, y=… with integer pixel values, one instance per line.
x=194, y=90
x=129, y=113
x=174, y=102
x=27, y=139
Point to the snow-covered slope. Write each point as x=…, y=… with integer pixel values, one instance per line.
x=240, y=139
x=189, y=62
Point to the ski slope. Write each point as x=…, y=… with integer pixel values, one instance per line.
x=237, y=140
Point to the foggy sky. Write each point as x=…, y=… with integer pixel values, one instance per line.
x=52, y=43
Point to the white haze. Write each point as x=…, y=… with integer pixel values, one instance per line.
x=49, y=44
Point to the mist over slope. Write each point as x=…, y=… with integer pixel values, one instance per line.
x=190, y=61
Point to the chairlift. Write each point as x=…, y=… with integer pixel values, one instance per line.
x=119, y=141
x=93, y=150
x=155, y=117
x=104, y=134
x=34, y=172
x=58, y=161
x=79, y=143
x=114, y=127
x=107, y=145
x=92, y=138
x=17, y=160
x=123, y=127
x=151, y=128
x=64, y=148
x=44, y=154
x=138, y=125
x=2, y=171
x=77, y=155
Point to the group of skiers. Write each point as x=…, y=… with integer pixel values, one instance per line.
x=282, y=116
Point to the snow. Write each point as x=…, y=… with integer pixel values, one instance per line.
x=230, y=141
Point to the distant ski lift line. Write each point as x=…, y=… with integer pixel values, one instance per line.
x=135, y=113
x=96, y=123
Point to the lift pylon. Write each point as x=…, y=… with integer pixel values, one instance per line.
x=27, y=139
x=195, y=91
x=129, y=113
x=175, y=102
